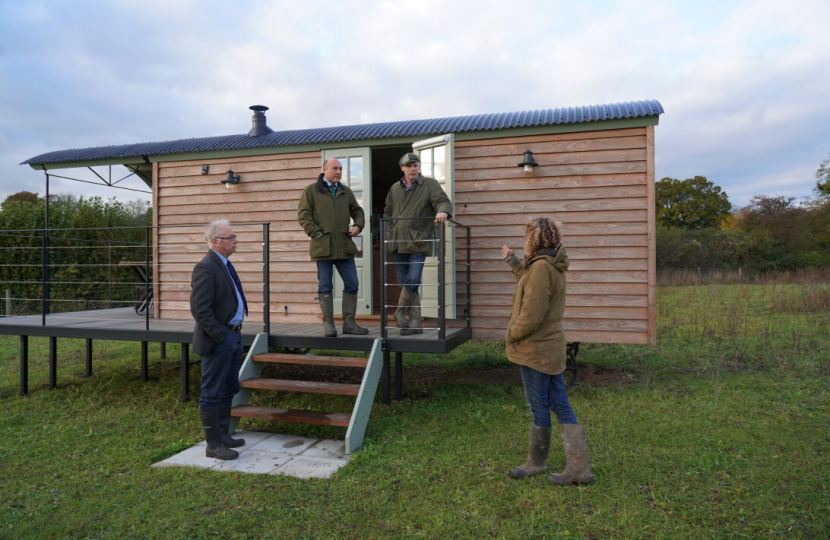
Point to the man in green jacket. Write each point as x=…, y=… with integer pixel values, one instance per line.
x=326, y=209
x=419, y=201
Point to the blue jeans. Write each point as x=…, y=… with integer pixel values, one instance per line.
x=220, y=372
x=545, y=393
x=347, y=270
x=408, y=269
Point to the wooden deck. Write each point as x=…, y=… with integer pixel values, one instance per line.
x=123, y=324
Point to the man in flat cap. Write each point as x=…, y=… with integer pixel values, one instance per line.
x=410, y=240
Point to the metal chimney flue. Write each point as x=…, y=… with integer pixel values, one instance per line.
x=259, y=123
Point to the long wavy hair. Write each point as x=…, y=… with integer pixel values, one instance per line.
x=541, y=233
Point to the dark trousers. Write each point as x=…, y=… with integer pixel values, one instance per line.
x=325, y=275
x=220, y=372
x=409, y=267
x=545, y=393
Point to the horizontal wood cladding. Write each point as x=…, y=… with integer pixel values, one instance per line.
x=595, y=184
x=269, y=191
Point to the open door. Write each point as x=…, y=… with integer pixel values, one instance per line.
x=357, y=174
x=437, y=161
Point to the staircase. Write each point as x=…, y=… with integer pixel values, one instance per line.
x=249, y=379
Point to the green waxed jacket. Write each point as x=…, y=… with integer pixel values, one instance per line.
x=535, y=337
x=326, y=220
x=425, y=200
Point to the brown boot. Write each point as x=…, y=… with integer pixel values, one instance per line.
x=576, y=457
x=327, y=308
x=349, y=310
x=537, y=454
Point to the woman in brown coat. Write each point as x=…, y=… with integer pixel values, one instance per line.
x=536, y=341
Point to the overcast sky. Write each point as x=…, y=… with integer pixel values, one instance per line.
x=745, y=84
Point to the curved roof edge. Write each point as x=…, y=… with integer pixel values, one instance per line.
x=434, y=126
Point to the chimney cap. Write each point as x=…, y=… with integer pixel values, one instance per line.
x=258, y=108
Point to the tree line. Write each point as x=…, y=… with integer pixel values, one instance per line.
x=85, y=248
x=697, y=228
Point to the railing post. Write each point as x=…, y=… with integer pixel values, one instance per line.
x=442, y=277
x=44, y=277
x=383, y=280
x=266, y=278
x=109, y=274
x=147, y=279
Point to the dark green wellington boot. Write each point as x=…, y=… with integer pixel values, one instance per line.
x=349, y=310
x=576, y=457
x=327, y=308
x=213, y=435
x=224, y=423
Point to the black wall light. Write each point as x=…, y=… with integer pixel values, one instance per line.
x=529, y=162
x=230, y=179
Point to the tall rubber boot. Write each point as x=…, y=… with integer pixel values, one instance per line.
x=403, y=303
x=224, y=423
x=213, y=435
x=327, y=308
x=349, y=310
x=576, y=457
x=537, y=454
x=415, y=314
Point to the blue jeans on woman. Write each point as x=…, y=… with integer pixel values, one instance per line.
x=545, y=393
x=408, y=269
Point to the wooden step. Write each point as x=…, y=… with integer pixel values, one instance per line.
x=313, y=387
x=292, y=415
x=310, y=359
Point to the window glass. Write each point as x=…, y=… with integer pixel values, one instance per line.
x=426, y=163
x=440, y=163
x=355, y=174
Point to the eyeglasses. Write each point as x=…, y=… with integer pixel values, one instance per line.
x=231, y=237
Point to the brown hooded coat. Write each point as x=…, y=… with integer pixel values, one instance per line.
x=535, y=337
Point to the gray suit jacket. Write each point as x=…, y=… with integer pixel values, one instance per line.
x=212, y=302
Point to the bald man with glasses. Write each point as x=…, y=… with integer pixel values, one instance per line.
x=218, y=305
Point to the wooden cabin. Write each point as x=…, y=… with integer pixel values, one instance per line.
x=594, y=174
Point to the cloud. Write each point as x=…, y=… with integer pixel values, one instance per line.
x=744, y=83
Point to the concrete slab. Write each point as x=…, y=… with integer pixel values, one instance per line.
x=270, y=453
x=254, y=462
x=283, y=444
x=309, y=467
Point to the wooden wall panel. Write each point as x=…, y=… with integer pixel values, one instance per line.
x=598, y=186
x=269, y=191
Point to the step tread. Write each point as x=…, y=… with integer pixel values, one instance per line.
x=292, y=415
x=311, y=359
x=315, y=387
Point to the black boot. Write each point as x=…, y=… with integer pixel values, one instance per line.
x=213, y=435
x=224, y=423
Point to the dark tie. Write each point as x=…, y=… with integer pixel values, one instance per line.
x=235, y=279
x=333, y=189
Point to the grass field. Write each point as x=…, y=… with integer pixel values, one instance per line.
x=721, y=431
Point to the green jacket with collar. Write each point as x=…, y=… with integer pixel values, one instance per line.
x=424, y=200
x=326, y=220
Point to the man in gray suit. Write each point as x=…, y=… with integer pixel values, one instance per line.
x=218, y=305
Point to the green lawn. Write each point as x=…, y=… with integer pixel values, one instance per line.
x=721, y=431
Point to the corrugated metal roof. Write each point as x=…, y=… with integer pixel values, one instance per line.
x=435, y=126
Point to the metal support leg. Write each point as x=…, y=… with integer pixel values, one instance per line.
x=398, y=375
x=185, y=375
x=144, y=371
x=53, y=362
x=163, y=347
x=386, y=377
x=88, y=367
x=24, y=365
